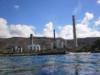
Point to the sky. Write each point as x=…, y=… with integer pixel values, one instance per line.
x=20, y=18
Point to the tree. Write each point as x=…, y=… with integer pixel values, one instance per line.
x=96, y=46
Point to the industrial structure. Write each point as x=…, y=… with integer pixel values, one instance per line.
x=58, y=43
x=32, y=46
x=54, y=43
x=74, y=33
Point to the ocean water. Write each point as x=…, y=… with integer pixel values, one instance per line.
x=68, y=64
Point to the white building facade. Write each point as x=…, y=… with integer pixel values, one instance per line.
x=34, y=47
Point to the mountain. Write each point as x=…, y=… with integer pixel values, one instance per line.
x=44, y=42
x=83, y=41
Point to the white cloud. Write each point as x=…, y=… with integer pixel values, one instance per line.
x=86, y=31
x=48, y=30
x=98, y=1
x=4, y=31
x=97, y=22
x=3, y=21
x=18, y=30
x=21, y=30
x=16, y=6
x=83, y=29
x=88, y=16
x=65, y=31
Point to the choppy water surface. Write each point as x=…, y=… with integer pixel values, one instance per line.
x=69, y=64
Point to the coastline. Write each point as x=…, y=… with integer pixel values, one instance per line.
x=39, y=54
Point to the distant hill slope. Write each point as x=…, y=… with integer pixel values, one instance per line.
x=5, y=42
x=83, y=41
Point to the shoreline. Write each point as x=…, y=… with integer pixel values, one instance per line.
x=39, y=54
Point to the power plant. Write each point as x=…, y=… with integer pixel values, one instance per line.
x=44, y=44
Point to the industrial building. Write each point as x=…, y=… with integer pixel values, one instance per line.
x=32, y=46
x=42, y=43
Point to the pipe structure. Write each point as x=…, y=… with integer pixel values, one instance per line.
x=74, y=32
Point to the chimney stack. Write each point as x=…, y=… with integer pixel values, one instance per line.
x=54, y=34
x=31, y=41
x=74, y=32
x=54, y=39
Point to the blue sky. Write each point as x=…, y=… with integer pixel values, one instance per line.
x=40, y=12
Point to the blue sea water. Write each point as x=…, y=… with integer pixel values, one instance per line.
x=68, y=64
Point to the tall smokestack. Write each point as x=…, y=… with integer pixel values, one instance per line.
x=74, y=32
x=54, y=34
x=54, y=38
x=31, y=40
